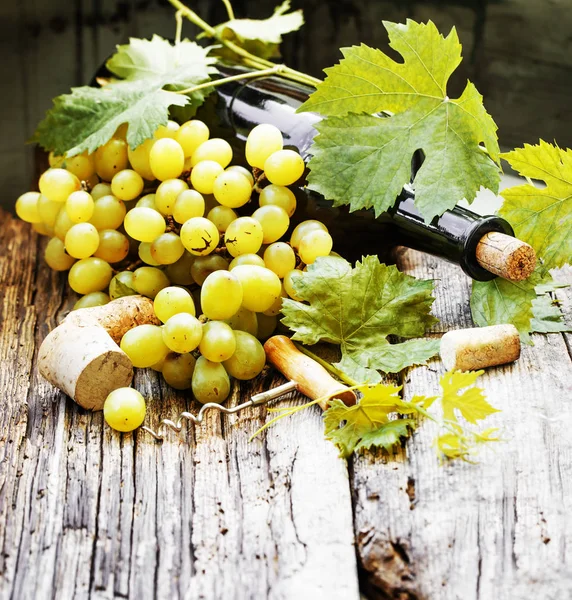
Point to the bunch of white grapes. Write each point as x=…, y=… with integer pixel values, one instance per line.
x=161, y=221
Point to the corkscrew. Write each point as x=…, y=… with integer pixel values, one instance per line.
x=304, y=374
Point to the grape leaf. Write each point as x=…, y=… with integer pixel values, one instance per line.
x=542, y=217
x=547, y=316
x=364, y=160
x=471, y=402
x=357, y=309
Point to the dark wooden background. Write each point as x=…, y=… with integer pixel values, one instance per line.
x=518, y=52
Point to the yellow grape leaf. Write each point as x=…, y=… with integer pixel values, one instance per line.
x=458, y=395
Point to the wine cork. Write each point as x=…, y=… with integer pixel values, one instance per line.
x=480, y=347
x=506, y=256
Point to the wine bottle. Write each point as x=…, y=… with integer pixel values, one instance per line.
x=483, y=246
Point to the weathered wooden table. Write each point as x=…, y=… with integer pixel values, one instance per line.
x=88, y=513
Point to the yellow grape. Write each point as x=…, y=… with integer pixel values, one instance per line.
x=199, y=236
x=248, y=359
x=167, y=194
x=243, y=236
x=246, y=259
x=222, y=217
x=55, y=161
x=218, y=342
x=178, y=369
x=262, y=141
x=139, y=159
x=221, y=295
x=144, y=252
x=167, y=131
x=144, y=345
x=172, y=301
x=111, y=158
x=180, y=272
x=274, y=221
x=182, y=332
x=260, y=286
x=189, y=204
x=210, y=381
x=58, y=184
x=166, y=159
x=82, y=240
x=113, y=246
x=108, y=213
x=149, y=281
x=215, y=149
x=63, y=223
x=284, y=167
x=204, y=175
x=56, y=256
x=48, y=210
x=42, y=229
x=80, y=207
x=315, y=244
x=191, y=135
x=90, y=300
x=280, y=258
x=144, y=224
x=27, y=207
x=89, y=275
x=243, y=171
x=167, y=248
x=127, y=185
x=302, y=229
x=232, y=189
x=100, y=190
x=203, y=266
x=146, y=201
x=81, y=165
x=266, y=325
x=289, y=285
x=278, y=195
x=124, y=409
x=243, y=320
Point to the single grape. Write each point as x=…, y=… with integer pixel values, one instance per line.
x=124, y=409
x=167, y=193
x=262, y=141
x=121, y=132
x=261, y=287
x=215, y=149
x=27, y=207
x=315, y=244
x=248, y=359
x=284, y=167
x=278, y=195
x=243, y=320
x=63, y=223
x=113, y=246
x=121, y=285
x=56, y=161
x=56, y=256
x=146, y=201
x=80, y=206
x=149, y=281
x=191, y=135
x=188, y=204
x=210, y=381
x=280, y=258
x=178, y=370
x=144, y=224
x=243, y=236
x=144, y=345
x=89, y=275
x=199, y=236
x=167, y=248
x=246, y=259
x=100, y=190
x=172, y=301
x=179, y=273
x=166, y=159
x=203, y=266
x=266, y=325
x=218, y=342
x=127, y=185
x=111, y=158
x=82, y=240
x=58, y=184
x=81, y=165
x=108, y=213
x=204, y=175
x=90, y=300
x=144, y=253
x=302, y=229
x=276, y=307
x=274, y=221
x=289, y=279
x=221, y=295
x=243, y=171
x=232, y=189
x=169, y=130
x=158, y=366
x=182, y=332
x=139, y=159
x=43, y=229
x=222, y=217
x=48, y=210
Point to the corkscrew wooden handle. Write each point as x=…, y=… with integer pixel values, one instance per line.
x=506, y=256
x=312, y=379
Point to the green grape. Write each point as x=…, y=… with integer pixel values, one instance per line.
x=315, y=244
x=284, y=167
x=144, y=224
x=289, y=286
x=167, y=248
x=100, y=190
x=232, y=189
x=144, y=253
x=82, y=240
x=167, y=131
x=182, y=332
x=180, y=272
x=139, y=159
x=167, y=194
x=58, y=184
x=221, y=295
x=111, y=158
x=158, y=366
x=191, y=135
x=63, y=224
x=243, y=320
x=149, y=281
x=144, y=345
x=124, y=409
x=278, y=195
x=243, y=236
x=108, y=213
x=43, y=229
x=166, y=159
x=266, y=325
x=55, y=161
x=121, y=285
x=222, y=217
x=203, y=266
x=274, y=221
x=48, y=210
x=188, y=204
x=260, y=286
x=127, y=185
x=210, y=382
x=243, y=171
x=215, y=149
x=80, y=207
x=81, y=165
x=146, y=201
x=218, y=342
x=280, y=258
x=172, y=301
x=178, y=370
x=56, y=256
x=302, y=229
x=262, y=141
x=248, y=359
x=276, y=307
x=199, y=236
x=246, y=259
x=89, y=275
x=113, y=246
x=27, y=207
x=204, y=174
x=90, y=300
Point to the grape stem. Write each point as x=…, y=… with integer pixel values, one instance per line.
x=329, y=367
x=250, y=60
x=229, y=10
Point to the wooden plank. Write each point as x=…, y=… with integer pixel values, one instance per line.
x=480, y=531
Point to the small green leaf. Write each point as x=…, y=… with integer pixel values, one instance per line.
x=547, y=316
x=117, y=289
x=386, y=436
